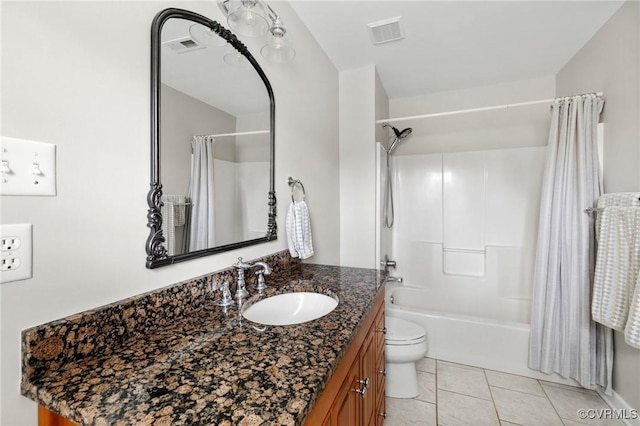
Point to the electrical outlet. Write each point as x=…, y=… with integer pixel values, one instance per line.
x=9, y=264
x=15, y=252
x=10, y=243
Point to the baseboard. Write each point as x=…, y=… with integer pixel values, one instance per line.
x=616, y=402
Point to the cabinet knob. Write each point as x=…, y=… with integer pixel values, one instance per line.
x=362, y=392
x=364, y=382
x=383, y=415
x=383, y=372
x=383, y=330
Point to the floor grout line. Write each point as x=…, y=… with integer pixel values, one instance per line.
x=493, y=401
x=551, y=402
x=437, y=392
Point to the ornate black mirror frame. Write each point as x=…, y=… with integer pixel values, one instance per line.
x=156, y=251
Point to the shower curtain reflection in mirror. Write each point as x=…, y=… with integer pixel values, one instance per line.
x=201, y=193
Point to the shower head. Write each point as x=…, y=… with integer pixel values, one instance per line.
x=400, y=134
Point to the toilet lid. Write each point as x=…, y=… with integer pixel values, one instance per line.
x=402, y=330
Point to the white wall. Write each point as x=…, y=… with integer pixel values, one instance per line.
x=610, y=62
x=357, y=167
x=77, y=74
x=510, y=128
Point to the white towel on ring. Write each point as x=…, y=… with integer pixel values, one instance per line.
x=617, y=266
x=298, y=226
x=173, y=214
x=616, y=288
x=632, y=329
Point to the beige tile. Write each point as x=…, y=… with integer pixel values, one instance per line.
x=513, y=382
x=524, y=409
x=459, y=410
x=567, y=401
x=471, y=382
x=508, y=424
x=409, y=412
x=427, y=386
x=428, y=365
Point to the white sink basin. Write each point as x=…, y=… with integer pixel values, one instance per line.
x=290, y=308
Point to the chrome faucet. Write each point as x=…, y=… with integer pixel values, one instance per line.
x=241, y=266
x=391, y=279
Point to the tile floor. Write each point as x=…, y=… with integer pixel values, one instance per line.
x=455, y=395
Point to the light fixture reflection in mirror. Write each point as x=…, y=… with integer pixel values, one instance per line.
x=255, y=18
x=278, y=49
x=236, y=59
x=206, y=36
x=249, y=19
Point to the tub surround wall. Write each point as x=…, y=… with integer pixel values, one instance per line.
x=610, y=62
x=465, y=228
x=174, y=356
x=383, y=234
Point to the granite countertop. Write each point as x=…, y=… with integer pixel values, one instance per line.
x=203, y=367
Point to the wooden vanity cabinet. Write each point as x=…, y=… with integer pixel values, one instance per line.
x=354, y=396
x=49, y=418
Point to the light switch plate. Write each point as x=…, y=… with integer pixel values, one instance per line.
x=28, y=167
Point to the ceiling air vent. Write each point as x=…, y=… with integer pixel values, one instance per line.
x=386, y=30
x=182, y=45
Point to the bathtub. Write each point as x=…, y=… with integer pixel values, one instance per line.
x=495, y=344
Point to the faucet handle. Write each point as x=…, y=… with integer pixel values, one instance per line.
x=261, y=284
x=226, y=300
x=387, y=263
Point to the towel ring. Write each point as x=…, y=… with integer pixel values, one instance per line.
x=292, y=183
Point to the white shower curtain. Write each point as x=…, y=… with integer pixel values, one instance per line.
x=202, y=226
x=564, y=339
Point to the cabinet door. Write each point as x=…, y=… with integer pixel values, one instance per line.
x=346, y=409
x=368, y=374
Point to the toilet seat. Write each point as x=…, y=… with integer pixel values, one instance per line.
x=402, y=332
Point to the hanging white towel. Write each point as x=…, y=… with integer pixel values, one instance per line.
x=173, y=214
x=618, y=264
x=632, y=329
x=298, y=225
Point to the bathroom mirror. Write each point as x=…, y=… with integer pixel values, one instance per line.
x=212, y=142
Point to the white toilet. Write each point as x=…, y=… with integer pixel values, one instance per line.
x=405, y=343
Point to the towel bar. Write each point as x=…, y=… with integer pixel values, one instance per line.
x=592, y=210
x=292, y=183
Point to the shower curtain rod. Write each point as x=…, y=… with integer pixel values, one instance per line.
x=463, y=111
x=256, y=132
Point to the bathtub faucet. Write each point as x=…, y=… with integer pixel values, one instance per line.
x=391, y=279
